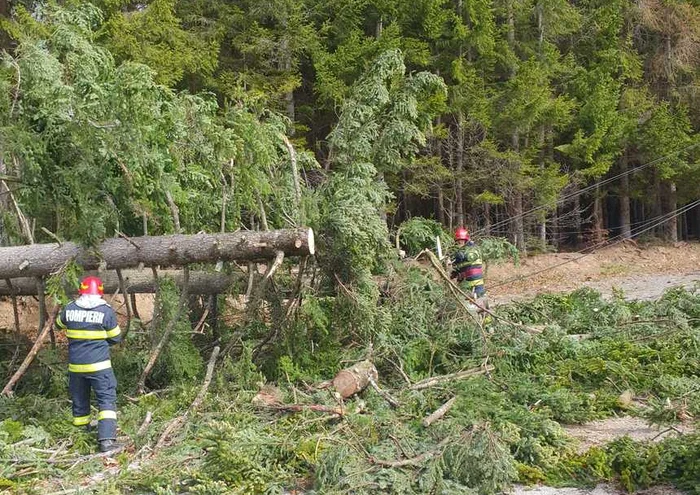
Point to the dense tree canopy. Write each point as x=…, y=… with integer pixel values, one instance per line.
x=119, y=111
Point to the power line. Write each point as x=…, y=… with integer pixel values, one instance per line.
x=617, y=240
x=579, y=192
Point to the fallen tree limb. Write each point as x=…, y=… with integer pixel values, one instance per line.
x=48, y=324
x=414, y=461
x=462, y=296
x=127, y=301
x=452, y=377
x=166, y=334
x=146, y=421
x=177, y=423
x=386, y=395
x=259, y=292
x=15, y=309
x=439, y=412
x=309, y=407
x=168, y=250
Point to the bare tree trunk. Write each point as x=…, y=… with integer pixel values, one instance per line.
x=175, y=211
x=41, y=294
x=598, y=219
x=518, y=223
x=658, y=204
x=671, y=203
x=441, y=206
x=543, y=140
x=459, y=169
x=295, y=172
x=15, y=310
x=543, y=235
x=554, y=229
x=487, y=219
x=625, y=214
x=289, y=95
x=517, y=207
x=577, y=218
x=451, y=162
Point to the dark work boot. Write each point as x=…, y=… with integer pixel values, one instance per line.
x=109, y=445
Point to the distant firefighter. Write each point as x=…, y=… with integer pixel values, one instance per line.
x=468, y=264
x=468, y=269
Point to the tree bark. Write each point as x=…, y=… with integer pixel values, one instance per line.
x=441, y=206
x=671, y=203
x=577, y=218
x=598, y=221
x=169, y=250
x=487, y=219
x=459, y=169
x=518, y=224
x=625, y=213
x=658, y=204
x=295, y=172
x=439, y=413
x=517, y=208
x=135, y=282
x=352, y=380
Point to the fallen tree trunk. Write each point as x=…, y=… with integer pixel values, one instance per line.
x=37, y=260
x=354, y=379
x=135, y=282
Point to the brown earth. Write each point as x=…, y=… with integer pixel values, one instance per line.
x=642, y=273
x=28, y=308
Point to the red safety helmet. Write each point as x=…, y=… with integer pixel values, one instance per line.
x=91, y=286
x=461, y=234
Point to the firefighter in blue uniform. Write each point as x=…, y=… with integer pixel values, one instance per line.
x=91, y=327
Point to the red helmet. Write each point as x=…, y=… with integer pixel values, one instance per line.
x=92, y=286
x=461, y=234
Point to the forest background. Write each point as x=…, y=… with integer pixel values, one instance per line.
x=542, y=125
x=541, y=101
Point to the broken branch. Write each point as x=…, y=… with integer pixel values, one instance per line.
x=439, y=413
x=386, y=395
x=48, y=324
x=414, y=461
x=166, y=333
x=452, y=377
x=176, y=423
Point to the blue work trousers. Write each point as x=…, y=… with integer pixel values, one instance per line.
x=104, y=383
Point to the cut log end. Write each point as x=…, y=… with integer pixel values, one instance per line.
x=310, y=242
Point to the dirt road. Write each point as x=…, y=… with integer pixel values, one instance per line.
x=639, y=273
x=598, y=490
